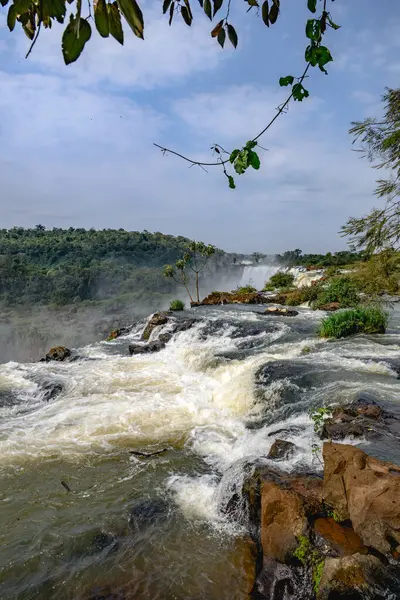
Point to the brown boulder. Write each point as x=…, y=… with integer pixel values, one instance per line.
x=232, y=298
x=286, y=503
x=347, y=577
x=281, y=449
x=159, y=318
x=342, y=539
x=366, y=491
x=116, y=333
x=58, y=353
x=331, y=307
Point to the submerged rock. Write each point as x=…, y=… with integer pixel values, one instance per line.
x=148, y=512
x=366, y=491
x=146, y=348
x=51, y=390
x=58, y=353
x=281, y=449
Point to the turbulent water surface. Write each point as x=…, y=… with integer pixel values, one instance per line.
x=216, y=398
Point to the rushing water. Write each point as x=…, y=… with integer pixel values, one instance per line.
x=216, y=397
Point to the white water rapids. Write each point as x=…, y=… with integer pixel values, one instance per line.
x=214, y=397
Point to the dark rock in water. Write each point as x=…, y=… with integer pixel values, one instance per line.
x=51, y=390
x=148, y=512
x=362, y=418
x=278, y=581
x=281, y=312
x=292, y=430
x=146, y=348
x=58, y=353
x=366, y=491
x=183, y=324
x=91, y=542
x=281, y=449
x=159, y=318
x=165, y=337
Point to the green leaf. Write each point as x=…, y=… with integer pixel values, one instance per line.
x=186, y=15
x=299, y=92
x=313, y=29
x=166, y=4
x=312, y=5
x=207, y=8
x=232, y=35
x=242, y=162
x=252, y=3
x=265, y=13
x=251, y=144
x=73, y=41
x=283, y=81
x=133, y=16
x=234, y=154
x=273, y=13
x=221, y=38
x=216, y=31
x=101, y=18
x=254, y=160
x=22, y=6
x=29, y=28
x=11, y=17
x=217, y=6
x=54, y=9
x=114, y=20
x=332, y=24
x=231, y=182
x=171, y=12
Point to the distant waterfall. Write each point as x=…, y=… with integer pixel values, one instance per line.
x=258, y=275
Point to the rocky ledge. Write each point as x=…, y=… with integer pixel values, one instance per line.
x=326, y=538
x=217, y=298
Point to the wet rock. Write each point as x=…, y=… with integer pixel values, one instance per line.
x=91, y=542
x=286, y=503
x=342, y=539
x=362, y=418
x=278, y=581
x=58, y=353
x=348, y=577
x=165, y=337
x=287, y=431
x=159, y=318
x=145, y=513
x=366, y=491
x=244, y=557
x=183, y=324
x=281, y=449
x=117, y=333
x=331, y=307
x=146, y=348
x=281, y=312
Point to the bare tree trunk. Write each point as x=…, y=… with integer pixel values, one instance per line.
x=197, y=286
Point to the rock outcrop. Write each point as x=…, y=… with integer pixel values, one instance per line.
x=362, y=418
x=116, y=333
x=159, y=318
x=331, y=307
x=217, y=298
x=366, y=491
x=58, y=353
x=281, y=312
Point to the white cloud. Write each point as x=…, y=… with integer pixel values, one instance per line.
x=165, y=57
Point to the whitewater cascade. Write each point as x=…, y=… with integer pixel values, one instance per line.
x=257, y=275
x=215, y=399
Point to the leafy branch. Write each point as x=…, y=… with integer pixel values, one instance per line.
x=316, y=55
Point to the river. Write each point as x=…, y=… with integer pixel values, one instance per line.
x=216, y=398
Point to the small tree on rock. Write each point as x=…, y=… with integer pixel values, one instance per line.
x=195, y=259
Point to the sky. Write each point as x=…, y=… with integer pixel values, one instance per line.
x=76, y=142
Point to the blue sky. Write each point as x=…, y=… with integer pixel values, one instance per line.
x=76, y=142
